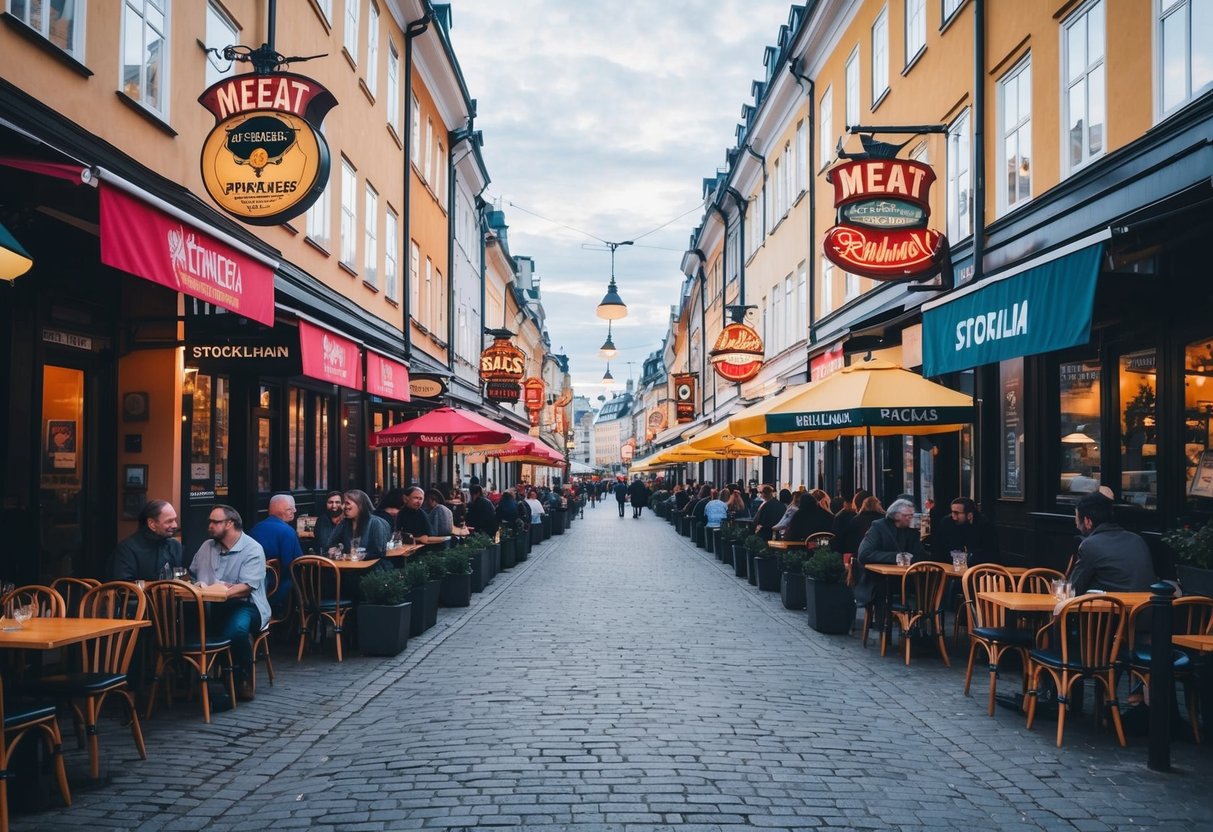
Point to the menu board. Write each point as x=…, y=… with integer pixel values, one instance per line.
x=1202, y=483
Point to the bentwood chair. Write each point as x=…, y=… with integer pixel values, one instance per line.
x=103, y=666
x=47, y=603
x=917, y=610
x=179, y=625
x=1190, y=615
x=1038, y=580
x=19, y=718
x=1083, y=643
x=317, y=585
x=261, y=644
x=989, y=628
x=72, y=590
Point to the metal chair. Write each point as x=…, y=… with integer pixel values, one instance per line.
x=921, y=596
x=317, y=584
x=179, y=624
x=988, y=624
x=18, y=720
x=819, y=539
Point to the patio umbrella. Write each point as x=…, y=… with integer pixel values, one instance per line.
x=446, y=427
x=721, y=438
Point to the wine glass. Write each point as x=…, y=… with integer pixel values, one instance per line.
x=22, y=614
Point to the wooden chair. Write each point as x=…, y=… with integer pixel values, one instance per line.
x=922, y=589
x=989, y=628
x=18, y=720
x=47, y=603
x=1039, y=579
x=317, y=585
x=104, y=662
x=1089, y=629
x=179, y=625
x=261, y=644
x=1190, y=615
x=72, y=590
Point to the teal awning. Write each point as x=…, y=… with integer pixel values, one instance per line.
x=1041, y=306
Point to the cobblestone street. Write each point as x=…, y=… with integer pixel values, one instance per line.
x=622, y=679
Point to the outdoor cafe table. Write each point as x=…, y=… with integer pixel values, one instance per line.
x=892, y=570
x=785, y=544
x=1044, y=602
x=1203, y=644
x=53, y=633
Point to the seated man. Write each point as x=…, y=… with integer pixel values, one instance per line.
x=885, y=538
x=237, y=561
x=144, y=555
x=276, y=534
x=965, y=530
x=411, y=519
x=440, y=517
x=1110, y=558
x=328, y=521
x=482, y=517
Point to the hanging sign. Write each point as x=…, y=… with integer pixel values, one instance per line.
x=684, y=397
x=532, y=394
x=501, y=368
x=881, y=229
x=738, y=353
x=265, y=160
x=426, y=386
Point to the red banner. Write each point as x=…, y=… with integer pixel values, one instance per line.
x=148, y=243
x=329, y=357
x=386, y=378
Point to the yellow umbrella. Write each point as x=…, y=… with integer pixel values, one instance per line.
x=721, y=438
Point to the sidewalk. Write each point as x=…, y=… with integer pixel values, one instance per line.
x=622, y=679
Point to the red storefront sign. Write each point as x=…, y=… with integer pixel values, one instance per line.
x=738, y=353
x=829, y=362
x=532, y=393
x=684, y=397
x=386, y=378
x=329, y=357
x=880, y=231
x=501, y=368
x=143, y=241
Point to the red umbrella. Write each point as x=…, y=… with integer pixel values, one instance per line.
x=445, y=427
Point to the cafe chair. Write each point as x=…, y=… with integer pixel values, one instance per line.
x=988, y=625
x=19, y=718
x=179, y=627
x=1039, y=580
x=1190, y=615
x=261, y=644
x=103, y=665
x=72, y=590
x=918, y=608
x=47, y=603
x=1089, y=629
x=317, y=584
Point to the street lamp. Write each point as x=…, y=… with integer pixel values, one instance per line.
x=612, y=307
x=607, y=378
x=607, y=350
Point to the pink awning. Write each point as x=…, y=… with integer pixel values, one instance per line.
x=386, y=378
x=329, y=357
x=59, y=170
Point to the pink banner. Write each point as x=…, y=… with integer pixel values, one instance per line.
x=329, y=357
x=143, y=241
x=386, y=378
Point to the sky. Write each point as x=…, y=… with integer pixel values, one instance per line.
x=605, y=118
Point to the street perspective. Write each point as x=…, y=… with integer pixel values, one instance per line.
x=647, y=416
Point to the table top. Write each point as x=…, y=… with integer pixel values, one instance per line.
x=785, y=544
x=52, y=633
x=214, y=592
x=1202, y=643
x=461, y=531
x=355, y=564
x=892, y=569
x=1042, y=602
x=404, y=551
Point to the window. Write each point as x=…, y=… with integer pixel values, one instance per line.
x=775, y=320
x=801, y=310
x=372, y=49
x=349, y=212
x=326, y=9
x=1015, y=102
x=852, y=286
x=825, y=132
x=1139, y=428
x=880, y=55
x=1011, y=403
x=960, y=215
x=428, y=297
x=428, y=159
x=1185, y=38
x=852, y=76
x=351, y=29
x=950, y=7
x=61, y=22
x=415, y=133
x=319, y=220
x=753, y=228
x=308, y=440
x=775, y=202
x=438, y=316
x=370, y=250
x=916, y=28
x=1198, y=415
x=1084, y=99
x=220, y=32
x=827, y=286
x=414, y=281
x=791, y=335
x=391, y=235
x=785, y=189
x=393, y=87
x=1079, y=429
x=145, y=59
x=440, y=173
x=802, y=158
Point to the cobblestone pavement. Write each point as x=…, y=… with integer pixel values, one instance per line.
x=621, y=679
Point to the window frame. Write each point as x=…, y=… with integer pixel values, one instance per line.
x=349, y=35
x=372, y=49
x=1083, y=13
x=370, y=239
x=914, y=40
x=414, y=280
x=1016, y=73
x=953, y=179
x=393, y=87
x=1163, y=9
x=79, y=29
x=321, y=209
x=216, y=12
x=348, y=256
x=391, y=264
x=165, y=83
x=879, y=56
x=852, y=65
x=825, y=125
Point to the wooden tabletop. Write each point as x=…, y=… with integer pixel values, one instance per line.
x=404, y=551
x=1042, y=602
x=52, y=633
x=892, y=569
x=785, y=544
x=214, y=592
x=1202, y=643
x=355, y=564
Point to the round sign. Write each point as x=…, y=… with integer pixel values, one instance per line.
x=684, y=392
x=738, y=353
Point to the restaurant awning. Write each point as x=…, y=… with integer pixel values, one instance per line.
x=330, y=357
x=1041, y=305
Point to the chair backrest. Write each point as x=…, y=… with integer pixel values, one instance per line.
x=1093, y=627
x=922, y=587
x=47, y=603
x=117, y=599
x=72, y=590
x=1190, y=615
x=178, y=613
x=819, y=539
x=315, y=579
x=1039, y=579
x=273, y=580
x=987, y=577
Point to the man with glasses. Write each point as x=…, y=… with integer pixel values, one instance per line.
x=234, y=559
x=885, y=538
x=964, y=529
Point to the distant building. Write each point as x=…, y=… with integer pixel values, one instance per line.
x=612, y=428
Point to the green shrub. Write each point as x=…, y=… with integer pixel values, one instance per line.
x=457, y=560
x=825, y=565
x=386, y=587
x=755, y=545
x=1192, y=546
x=793, y=560
x=415, y=573
x=434, y=564
x=477, y=542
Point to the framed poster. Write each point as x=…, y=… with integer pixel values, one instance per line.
x=1010, y=376
x=61, y=438
x=1202, y=483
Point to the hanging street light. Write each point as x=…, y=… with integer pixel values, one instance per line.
x=14, y=260
x=607, y=350
x=612, y=307
x=607, y=378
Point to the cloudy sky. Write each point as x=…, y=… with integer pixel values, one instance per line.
x=605, y=118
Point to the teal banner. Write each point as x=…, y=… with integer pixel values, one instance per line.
x=1045, y=308
x=870, y=417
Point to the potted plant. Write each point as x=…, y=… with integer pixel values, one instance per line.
x=828, y=600
x=385, y=614
x=522, y=541
x=1193, y=549
x=456, y=588
x=791, y=583
x=477, y=546
x=508, y=547
x=741, y=553
x=768, y=567
x=416, y=577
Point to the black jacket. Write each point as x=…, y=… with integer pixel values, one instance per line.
x=482, y=516
x=881, y=545
x=769, y=513
x=639, y=492
x=413, y=521
x=979, y=539
x=621, y=492
x=856, y=528
x=809, y=519
x=142, y=555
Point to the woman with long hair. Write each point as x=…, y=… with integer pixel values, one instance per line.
x=813, y=517
x=737, y=505
x=361, y=527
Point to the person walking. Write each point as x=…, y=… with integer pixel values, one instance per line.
x=639, y=494
x=621, y=494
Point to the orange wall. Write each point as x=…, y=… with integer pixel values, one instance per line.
x=157, y=373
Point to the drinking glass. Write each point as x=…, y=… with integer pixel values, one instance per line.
x=142, y=584
x=903, y=558
x=23, y=614
x=358, y=554
x=1058, y=585
x=181, y=574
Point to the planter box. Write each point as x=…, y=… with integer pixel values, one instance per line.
x=751, y=571
x=522, y=547
x=740, y=561
x=697, y=533
x=537, y=531
x=480, y=574
x=455, y=590
x=384, y=630
x=559, y=521
x=545, y=526
x=433, y=589
x=422, y=597
x=489, y=556
x=830, y=607
x=507, y=559
x=791, y=591
x=1194, y=580
x=769, y=569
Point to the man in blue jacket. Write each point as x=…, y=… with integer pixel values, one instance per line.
x=621, y=494
x=278, y=538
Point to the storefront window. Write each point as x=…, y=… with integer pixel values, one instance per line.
x=222, y=432
x=1198, y=422
x=308, y=439
x=351, y=439
x=296, y=440
x=209, y=409
x=1138, y=428
x=320, y=476
x=1079, y=436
